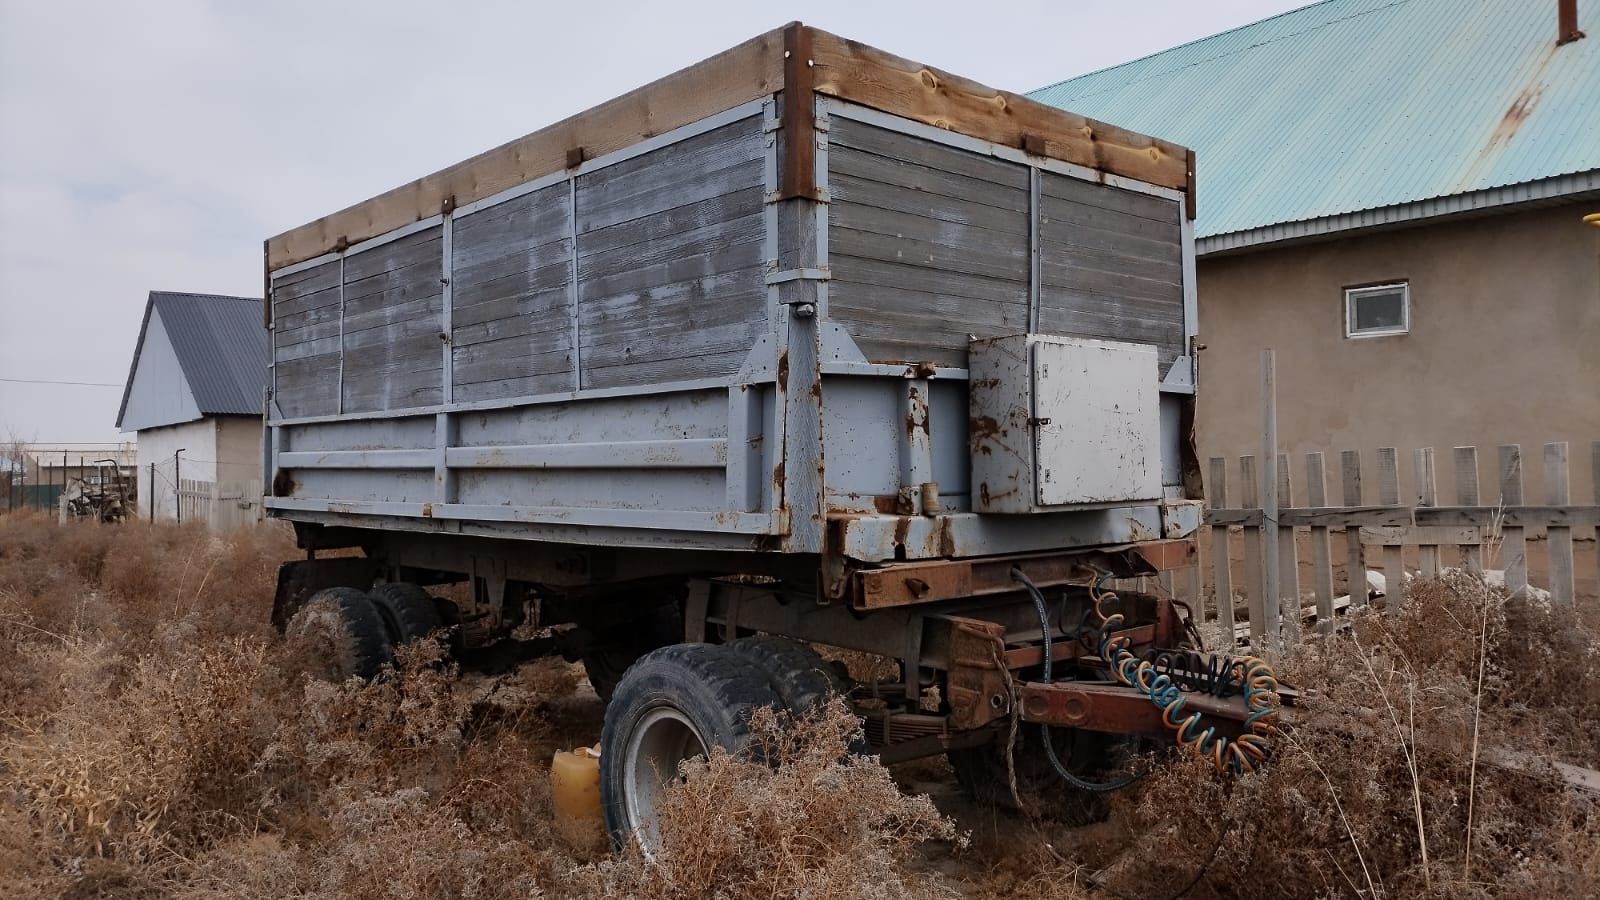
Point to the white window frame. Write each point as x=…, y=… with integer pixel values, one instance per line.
x=1352, y=294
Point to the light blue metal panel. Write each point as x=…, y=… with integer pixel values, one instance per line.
x=1350, y=105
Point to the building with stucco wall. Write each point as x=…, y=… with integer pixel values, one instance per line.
x=194, y=397
x=1391, y=196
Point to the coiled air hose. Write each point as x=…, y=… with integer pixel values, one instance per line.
x=1240, y=754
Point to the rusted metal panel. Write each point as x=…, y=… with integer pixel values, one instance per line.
x=1120, y=709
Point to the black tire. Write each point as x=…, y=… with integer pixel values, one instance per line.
x=614, y=650
x=982, y=772
x=802, y=679
x=357, y=640
x=673, y=704
x=407, y=610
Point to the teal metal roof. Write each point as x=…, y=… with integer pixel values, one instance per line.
x=1352, y=105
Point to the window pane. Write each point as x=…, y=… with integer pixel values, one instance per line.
x=1379, y=311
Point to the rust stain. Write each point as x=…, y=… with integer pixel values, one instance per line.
x=980, y=431
x=884, y=504
x=783, y=372
x=1520, y=110
x=283, y=485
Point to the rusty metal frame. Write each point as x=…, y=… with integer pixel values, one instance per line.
x=1119, y=709
x=905, y=584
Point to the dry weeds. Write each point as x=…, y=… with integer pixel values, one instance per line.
x=157, y=739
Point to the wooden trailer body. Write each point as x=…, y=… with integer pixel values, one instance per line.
x=740, y=309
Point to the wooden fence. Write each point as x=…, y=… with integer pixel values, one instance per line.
x=1375, y=523
x=224, y=506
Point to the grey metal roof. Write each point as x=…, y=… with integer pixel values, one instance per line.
x=221, y=345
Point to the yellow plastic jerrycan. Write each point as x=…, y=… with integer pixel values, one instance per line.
x=575, y=794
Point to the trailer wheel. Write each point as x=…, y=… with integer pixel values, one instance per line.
x=802, y=679
x=407, y=610
x=982, y=772
x=673, y=705
x=344, y=632
x=614, y=650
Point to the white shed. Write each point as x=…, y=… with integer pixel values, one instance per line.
x=194, y=396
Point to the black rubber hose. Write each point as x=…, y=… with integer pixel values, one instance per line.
x=1044, y=730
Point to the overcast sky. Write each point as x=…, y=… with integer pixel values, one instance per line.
x=154, y=145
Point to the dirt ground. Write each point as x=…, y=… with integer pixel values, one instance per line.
x=157, y=739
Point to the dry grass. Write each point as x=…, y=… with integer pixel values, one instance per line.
x=157, y=739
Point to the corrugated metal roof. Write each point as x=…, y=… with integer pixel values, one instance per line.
x=221, y=345
x=1351, y=105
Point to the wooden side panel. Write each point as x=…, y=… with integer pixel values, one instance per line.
x=393, y=313
x=928, y=244
x=511, y=316
x=671, y=277
x=1111, y=265
x=305, y=312
x=871, y=77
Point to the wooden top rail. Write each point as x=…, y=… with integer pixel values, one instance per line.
x=1421, y=516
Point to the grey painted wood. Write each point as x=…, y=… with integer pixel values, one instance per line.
x=927, y=244
x=511, y=265
x=393, y=316
x=850, y=134
x=671, y=277
x=1111, y=265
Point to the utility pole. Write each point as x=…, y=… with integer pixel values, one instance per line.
x=151, y=497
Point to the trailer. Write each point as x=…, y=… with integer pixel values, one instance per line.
x=806, y=345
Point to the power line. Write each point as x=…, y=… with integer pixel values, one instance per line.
x=47, y=381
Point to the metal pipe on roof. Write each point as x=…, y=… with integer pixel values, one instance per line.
x=1567, y=22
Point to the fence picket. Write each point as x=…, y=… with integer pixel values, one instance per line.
x=1513, y=543
x=1394, y=563
x=1288, y=561
x=1321, y=559
x=1221, y=563
x=1427, y=495
x=1254, y=573
x=1467, y=495
x=1356, y=559
x=1558, y=538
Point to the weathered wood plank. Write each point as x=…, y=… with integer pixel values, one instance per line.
x=1557, y=489
x=1466, y=460
x=1355, y=556
x=1394, y=567
x=1254, y=573
x=848, y=188
x=1513, y=543
x=932, y=176
x=1288, y=558
x=1321, y=557
x=1427, y=495
x=1080, y=192
x=746, y=72
x=894, y=278
x=1221, y=561
x=860, y=137
x=1327, y=517
x=871, y=77
x=888, y=236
